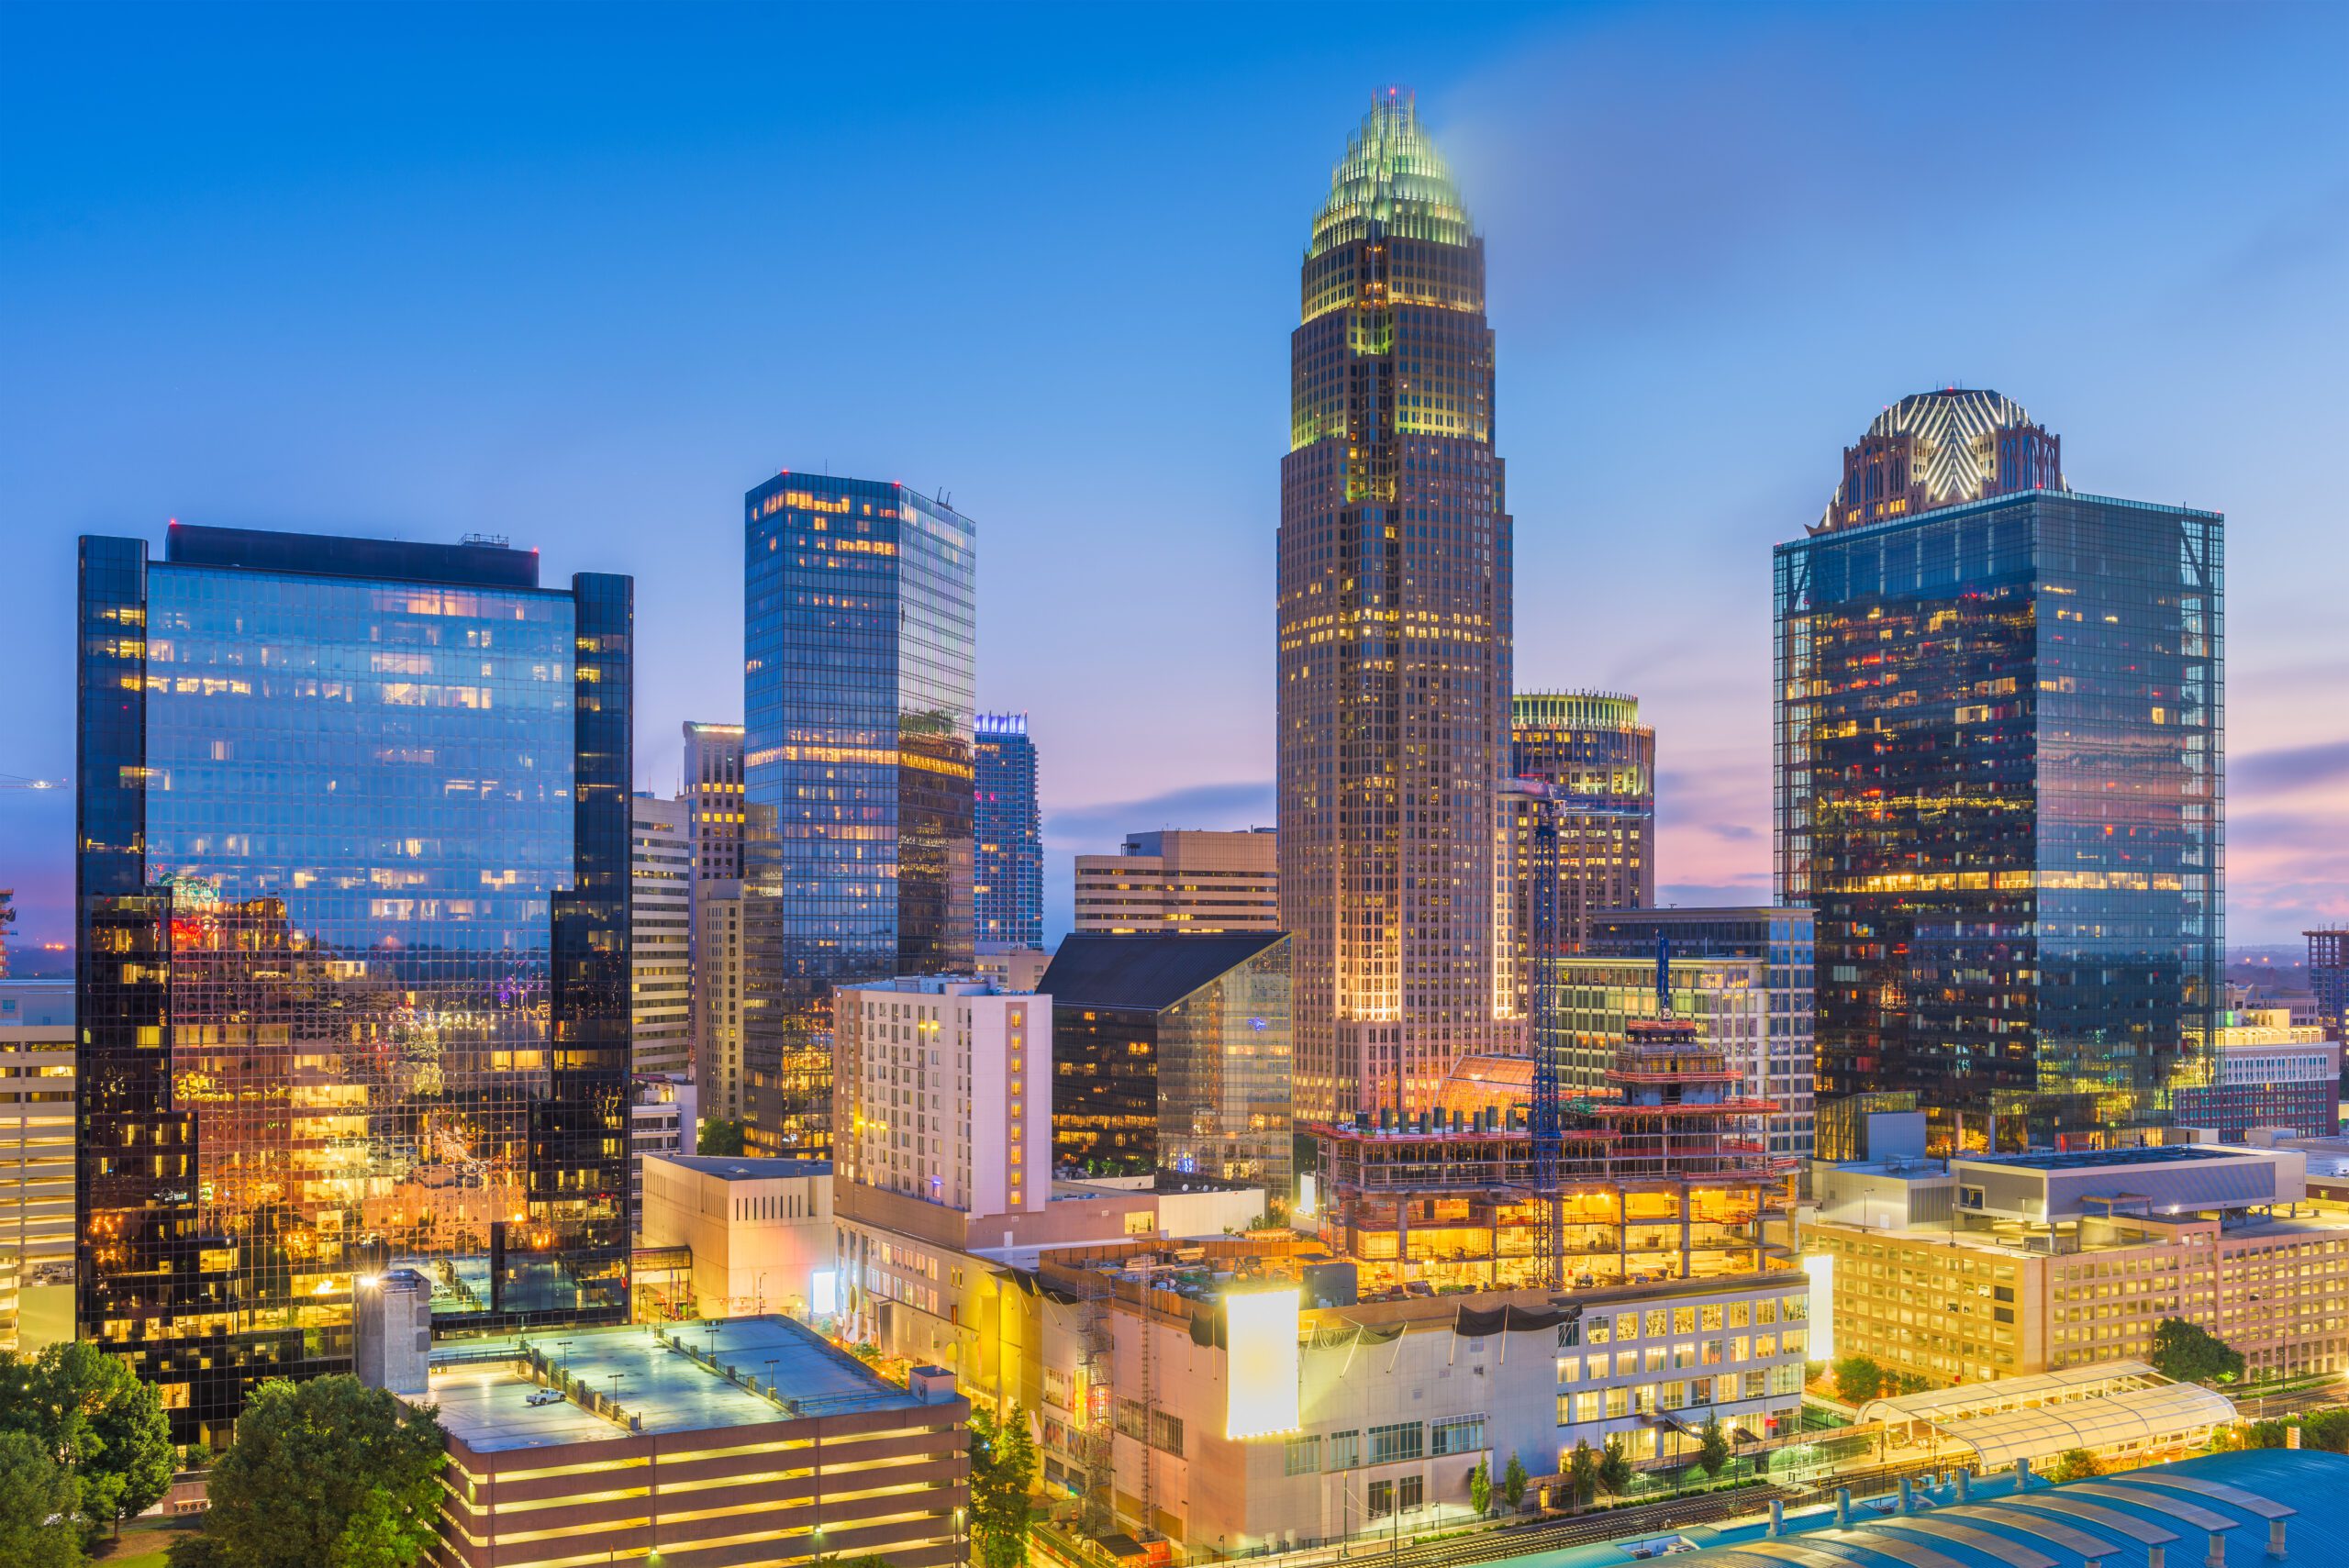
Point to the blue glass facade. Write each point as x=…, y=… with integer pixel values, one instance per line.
x=354, y=904
x=1999, y=770
x=859, y=682
x=1008, y=886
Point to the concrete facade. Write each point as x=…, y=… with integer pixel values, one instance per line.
x=760, y=1231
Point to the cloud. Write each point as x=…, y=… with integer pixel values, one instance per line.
x=1096, y=829
x=2290, y=767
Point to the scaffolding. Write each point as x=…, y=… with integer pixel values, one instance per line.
x=1094, y=1434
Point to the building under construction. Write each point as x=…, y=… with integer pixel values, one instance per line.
x=1662, y=1175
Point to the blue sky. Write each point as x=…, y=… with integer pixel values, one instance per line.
x=583, y=275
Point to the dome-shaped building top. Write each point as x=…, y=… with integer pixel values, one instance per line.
x=1392, y=176
x=1939, y=448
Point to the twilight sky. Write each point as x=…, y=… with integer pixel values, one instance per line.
x=582, y=276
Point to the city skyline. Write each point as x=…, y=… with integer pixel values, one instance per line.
x=268, y=402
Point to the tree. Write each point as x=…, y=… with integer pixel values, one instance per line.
x=2191, y=1353
x=96, y=1419
x=1003, y=1462
x=1582, y=1473
x=1513, y=1483
x=1480, y=1488
x=2075, y=1464
x=326, y=1473
x=1615, y=1467
x=39, y=1500
x=1908, y=1382
x=1857, y=1380
x=719, y=1136
x=2326, y=1429
x=1712, y=1447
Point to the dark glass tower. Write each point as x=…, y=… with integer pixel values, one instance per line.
x=353, y=894
x=1394, y=633
x=858, y=686
x=1007, y=890
x=1999, y=772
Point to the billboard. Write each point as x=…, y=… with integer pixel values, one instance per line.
x=1262, y=1367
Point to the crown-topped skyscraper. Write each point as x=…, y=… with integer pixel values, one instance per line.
x=1395, y=629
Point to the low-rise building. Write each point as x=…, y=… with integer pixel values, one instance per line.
x=1191, y=1391
x=748, y=1443
x=759, y=1231
x=1996, y=1266
x=2265, y=1071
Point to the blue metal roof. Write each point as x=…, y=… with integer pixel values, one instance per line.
x=2119, y=1512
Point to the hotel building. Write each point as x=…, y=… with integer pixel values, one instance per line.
x=2000, y=715
x=2268, y=1071
x=858, y=682
x=353, y=948
x=1182, y=882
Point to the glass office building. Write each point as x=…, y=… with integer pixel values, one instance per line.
x=1173, y=1053
x=1007, y=886
x=2000, y=781
x=354, y=893
x=859, y=683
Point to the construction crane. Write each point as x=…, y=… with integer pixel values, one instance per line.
x=1548, y=939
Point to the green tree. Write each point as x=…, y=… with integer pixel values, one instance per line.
x=1582, y=1473
x=94, y=1418
x=719, y=1136
x=1480, y=1487
x=1712, y=1447
x=2075, y=1464
x=38, y=1501
x=2191, y=1353
x=2326, y=1429
x=1513, y=1483
x=1615, y=1467
x=1858, y=1379
x=1003, y=1463
x=326, y=1473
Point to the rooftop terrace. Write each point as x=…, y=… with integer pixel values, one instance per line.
x=641, y=1382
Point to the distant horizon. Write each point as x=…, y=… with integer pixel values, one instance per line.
x=447, y=271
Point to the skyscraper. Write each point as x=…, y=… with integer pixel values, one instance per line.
x=1598, y=764
x=858, y=682
x=2000, y=717
x=660, y=887
x=1393, y=632
x=1182, y=880
x=353, y=972
x=1008, y=881
x=713, y=789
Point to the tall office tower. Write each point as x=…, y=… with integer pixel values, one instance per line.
x=1600, y=762
x=661, y=885
x=858, y=687
x=353, y=971
x=719, y=945
x=713, y=789
x=1186, y=880
x=1393, y=632
x=1007, y=880
x=2329, y=979
x=2001, y=718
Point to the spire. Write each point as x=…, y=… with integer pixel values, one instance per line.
x=1391, y=176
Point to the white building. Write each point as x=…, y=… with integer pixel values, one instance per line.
x=759, y=1231
x=943, y=1091
x=37, y=1160
x=662, y=1120
x=661, y=950
x=718, y=999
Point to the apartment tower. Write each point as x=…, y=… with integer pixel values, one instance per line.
x=1393, y=630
